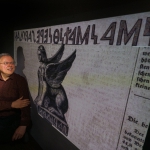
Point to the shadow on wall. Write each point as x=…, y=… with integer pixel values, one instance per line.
x=20, y=67
x=20, y=62
x=147, y=143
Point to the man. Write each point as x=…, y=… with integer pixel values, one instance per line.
x=14, y=101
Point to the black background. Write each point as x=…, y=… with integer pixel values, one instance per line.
x=17, y=14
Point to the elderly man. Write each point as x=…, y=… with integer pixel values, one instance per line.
x=14, y=101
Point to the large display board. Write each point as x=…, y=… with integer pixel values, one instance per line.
x=90, y=80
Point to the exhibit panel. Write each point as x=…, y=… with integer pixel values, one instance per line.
x=136, y=121
x=90, y=80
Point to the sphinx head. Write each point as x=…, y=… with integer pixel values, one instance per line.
x=42, y=56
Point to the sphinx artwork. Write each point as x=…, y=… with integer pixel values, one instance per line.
x=52, y=101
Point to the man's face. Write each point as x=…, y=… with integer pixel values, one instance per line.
x=8, y=68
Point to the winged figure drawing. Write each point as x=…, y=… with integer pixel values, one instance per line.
x=51, y=73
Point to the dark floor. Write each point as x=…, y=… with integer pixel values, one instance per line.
x=31, y=144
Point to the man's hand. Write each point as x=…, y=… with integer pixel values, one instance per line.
x=19, y=133
x=20, y=103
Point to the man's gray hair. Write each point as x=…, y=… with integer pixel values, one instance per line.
x=4, y=54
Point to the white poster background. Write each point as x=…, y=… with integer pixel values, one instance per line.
x=101, y=90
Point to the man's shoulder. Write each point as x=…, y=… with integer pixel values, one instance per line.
x=18, y=77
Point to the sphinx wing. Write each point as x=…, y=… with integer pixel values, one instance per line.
x=56, y=58
x=56, y=72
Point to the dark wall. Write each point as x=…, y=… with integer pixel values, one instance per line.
x=25, y=17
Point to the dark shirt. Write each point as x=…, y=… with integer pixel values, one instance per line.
x=11, y=90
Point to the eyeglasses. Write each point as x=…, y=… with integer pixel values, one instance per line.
x=6, y=63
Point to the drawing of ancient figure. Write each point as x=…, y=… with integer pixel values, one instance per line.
x=51, y=73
